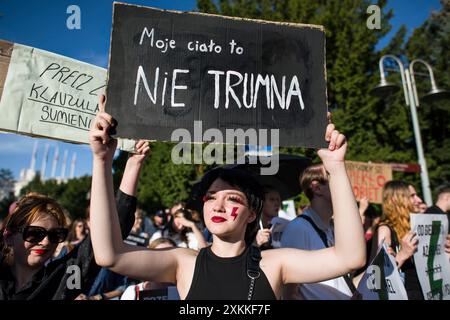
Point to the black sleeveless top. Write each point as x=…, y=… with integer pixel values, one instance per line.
x=217, y=278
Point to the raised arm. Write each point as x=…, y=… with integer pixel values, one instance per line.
x=109, y=249
x=126, y=195
x=350, y=247
x=195, y=230
x=133, y=168
x=349, y=252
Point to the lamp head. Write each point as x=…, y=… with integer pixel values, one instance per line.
x=384, y=89
x=436, y=94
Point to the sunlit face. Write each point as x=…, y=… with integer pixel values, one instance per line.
x=321, y=189
x=159, y=221
x=175, y=208
x=80, y=229
x=326, y=191
x=137, y=222
x=226, y=210
x=177, y=224
x=34, y=255
x=414, y=198
x=272, y=203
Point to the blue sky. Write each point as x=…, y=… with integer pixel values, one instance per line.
x=42, y=24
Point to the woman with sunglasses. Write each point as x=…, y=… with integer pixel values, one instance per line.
x=34, y=230
x=232, y=206
x=32, y=233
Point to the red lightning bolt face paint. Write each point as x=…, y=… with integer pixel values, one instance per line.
x=234, y=213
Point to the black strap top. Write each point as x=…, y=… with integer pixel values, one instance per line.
x=217, y=278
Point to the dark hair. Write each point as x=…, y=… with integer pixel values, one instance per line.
x=161, y=240
x=371, y=212
x=160, y=213
x=30, y=208
x=175, y=204
x=170, y=230
x=315, y=172
x=72, y=233
x=246, y=183
x=268, y=188
x=443, y=188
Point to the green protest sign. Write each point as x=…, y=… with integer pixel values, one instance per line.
x=431, y=261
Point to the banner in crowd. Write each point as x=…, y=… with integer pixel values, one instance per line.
x=170, y=70
x=138, y=292
x=431, y=261
x=137, y=240
x=287, y=210
x=49, y=95
x=368, y=179
x=278, y=226
x=169, y=293
x=382, y=281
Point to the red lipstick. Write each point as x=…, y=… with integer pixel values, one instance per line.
x=39, y=251
x=218, y=219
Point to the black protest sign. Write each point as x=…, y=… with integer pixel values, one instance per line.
x=168, y=69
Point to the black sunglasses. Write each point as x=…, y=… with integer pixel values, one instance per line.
x=35, y=234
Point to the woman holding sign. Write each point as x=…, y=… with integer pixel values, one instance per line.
x=398, y=202
x=230, y=268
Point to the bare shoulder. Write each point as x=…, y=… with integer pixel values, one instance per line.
x=384, y=234
x=271, y=265
x=384, y=230
x=272, y=260
x=271, y=254
x=186, y=259
x=276, y=254
x=184, y=255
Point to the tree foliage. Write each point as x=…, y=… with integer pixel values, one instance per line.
x=162, y=182
x=431, y=42
x=72, y=195
x=6, y=191
x=377, y=130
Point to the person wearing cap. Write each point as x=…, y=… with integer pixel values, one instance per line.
x=231, y=268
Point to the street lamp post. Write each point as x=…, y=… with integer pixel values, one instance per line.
x=411, y=99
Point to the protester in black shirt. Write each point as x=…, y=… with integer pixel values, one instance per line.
x=232, y=205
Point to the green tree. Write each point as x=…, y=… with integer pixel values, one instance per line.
x=351, y=60
x=431, y=42
x=6, y=182
x=6, y=191
x=161, y=181
x=377, y=130
x=72, y=194
x=49, y=187
x=75, y=196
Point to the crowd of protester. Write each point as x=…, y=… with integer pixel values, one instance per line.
x=122, y=252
